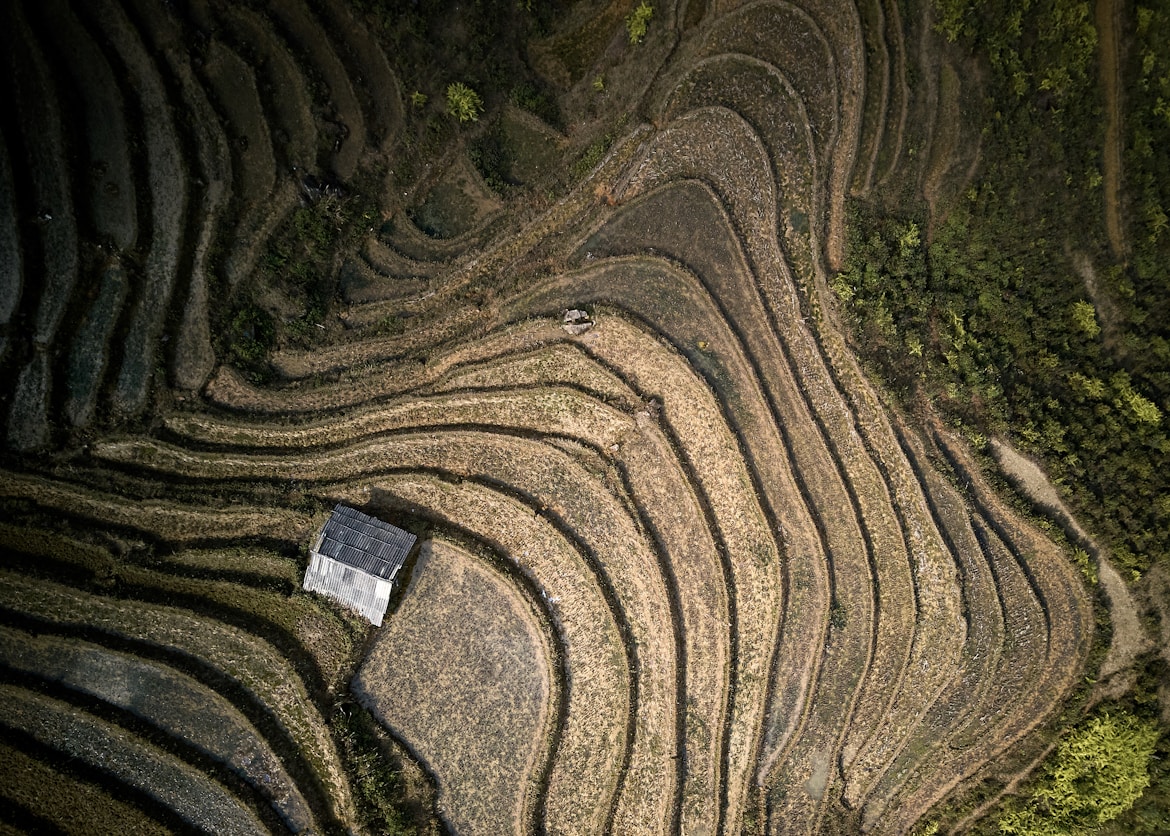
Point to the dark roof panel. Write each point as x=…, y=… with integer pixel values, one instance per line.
x=365, y=542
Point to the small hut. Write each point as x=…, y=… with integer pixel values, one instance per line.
x=355, y=559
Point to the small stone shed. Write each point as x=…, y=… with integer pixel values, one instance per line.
x=355, y=559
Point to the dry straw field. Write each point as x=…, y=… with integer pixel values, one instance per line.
x=684, y=572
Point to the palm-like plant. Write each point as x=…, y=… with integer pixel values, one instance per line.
x=463, y=103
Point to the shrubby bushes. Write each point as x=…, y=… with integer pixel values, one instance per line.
x=991, y=318
x=983, y=325
x=638, y=20
x=1097, y=774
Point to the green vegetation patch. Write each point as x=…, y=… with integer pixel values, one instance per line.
x=251, y=334
x=596, y=151
x=386, y=803
x=517, y=151
x=978, y=321
x=1097, y=773
x=990, y=313
x=638, y=20
x=463, y=103
x=576, y=50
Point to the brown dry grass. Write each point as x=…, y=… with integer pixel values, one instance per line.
x=163, y=520
x=706, y=682
x=552, y=365
x=730, y=281
x=198, y=799
x=71, y=805
x=695, y=417
x=625, y=559
x=464, y=673
x=252, y=662
x=584, y=776
x=554, y=409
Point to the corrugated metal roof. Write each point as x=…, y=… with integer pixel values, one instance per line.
x=358, y=590
x=365, y=542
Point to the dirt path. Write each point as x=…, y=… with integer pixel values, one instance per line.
x=1108, y=14
x=1112, y=323
x=1129, y=639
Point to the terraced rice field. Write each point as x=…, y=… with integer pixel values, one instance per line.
x=684, y=572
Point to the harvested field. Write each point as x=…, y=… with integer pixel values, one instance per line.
x=234, y=85
x=37, y=98
x=28, y=420
x=367, y=65
x=340, y=110
x=112, y=204
x=168, y=185
x=91, y=346
x=465, y=631
x=79, y=806
x=459, y=203
x=10, y=255
x=284, y=88
x=684, y=569
x=167, y=699
x=196, y=799
x=594, y=743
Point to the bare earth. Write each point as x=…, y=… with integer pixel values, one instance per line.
x=1129, y=639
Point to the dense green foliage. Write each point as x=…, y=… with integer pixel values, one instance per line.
x=638, y=20
x=1150, y=815
x=463, y=103
x=1097, y=773
x=1151, y=116
x=971, y=319
x=1145, y=284
x=993, y=318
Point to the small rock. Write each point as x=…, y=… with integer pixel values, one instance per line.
x=577, y=322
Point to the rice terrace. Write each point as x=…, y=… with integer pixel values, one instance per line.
x=765, y=403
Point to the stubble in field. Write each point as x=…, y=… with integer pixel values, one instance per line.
x=461, y=673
